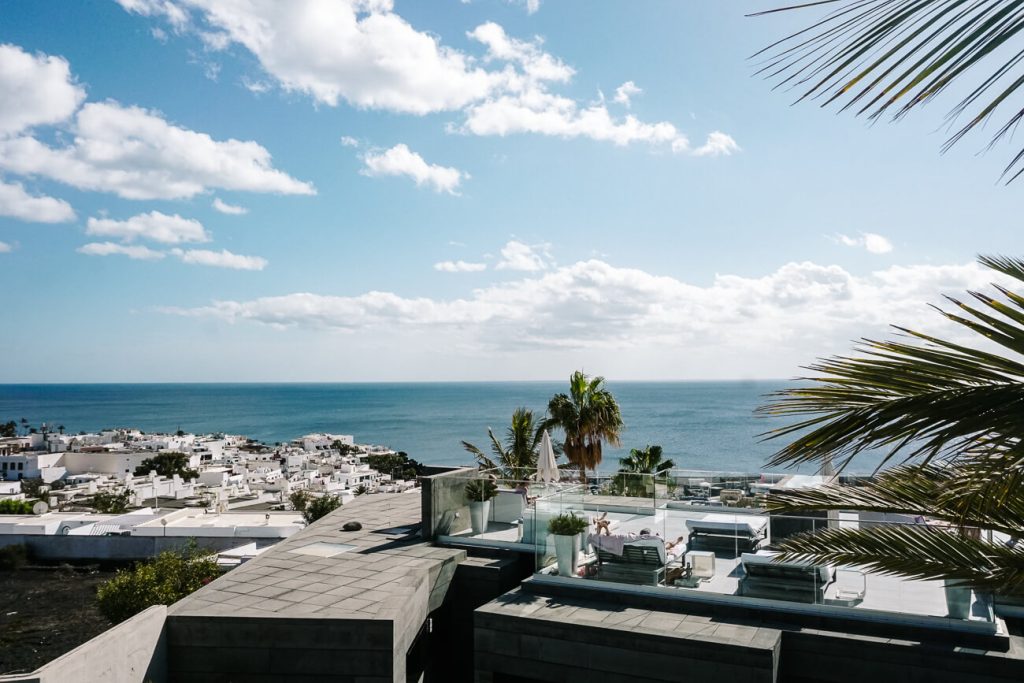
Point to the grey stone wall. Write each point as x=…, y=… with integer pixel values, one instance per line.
x=257, y=650
x=134, y=651
x=510, y=648
x=111, y=548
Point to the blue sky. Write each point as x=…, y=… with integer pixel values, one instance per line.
x=454, y=190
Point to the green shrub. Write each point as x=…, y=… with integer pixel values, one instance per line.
x=13, y=556
x=111, y=502
x=479, y=490
x=16, y=507
x=164, y=580
x=567, y=524
x=299, y=499
x=318, y=507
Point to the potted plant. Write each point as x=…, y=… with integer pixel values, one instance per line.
x=566, y=528
x=480, y=492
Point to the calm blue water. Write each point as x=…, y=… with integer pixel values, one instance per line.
x=702, y=425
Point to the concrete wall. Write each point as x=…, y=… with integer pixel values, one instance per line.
x=516, y=648
x=275, y=649
x=134, y=651
x=834, y=658
x=110, y=548
x=445, y=510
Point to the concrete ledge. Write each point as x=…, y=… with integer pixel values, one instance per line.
x=134, y=651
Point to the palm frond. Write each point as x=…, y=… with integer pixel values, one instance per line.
x=915, y=552
x=892, y=56
x=953, y=494
x=929, y=399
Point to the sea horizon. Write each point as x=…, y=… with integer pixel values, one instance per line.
x=701, y=424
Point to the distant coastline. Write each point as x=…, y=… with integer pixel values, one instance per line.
x=700, y=424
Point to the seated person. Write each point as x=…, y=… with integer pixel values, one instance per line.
x=522, y=488
x=674, y=550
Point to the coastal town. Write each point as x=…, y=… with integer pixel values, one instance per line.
x=126, y=482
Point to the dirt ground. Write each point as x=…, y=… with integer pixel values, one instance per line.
x=45, y=612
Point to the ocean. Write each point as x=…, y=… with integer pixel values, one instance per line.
x=700, y=425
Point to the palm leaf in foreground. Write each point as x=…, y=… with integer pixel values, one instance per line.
x=915, y=552
x=891, y=56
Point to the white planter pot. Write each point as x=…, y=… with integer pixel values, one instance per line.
x=479, y=513
x=567, y=551
x=958, y=601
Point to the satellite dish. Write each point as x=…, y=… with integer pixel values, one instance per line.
x=40, y=508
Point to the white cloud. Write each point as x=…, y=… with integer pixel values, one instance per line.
x=362, y=52
x=136, y=154
x=401, y=161
x=800, y=311
x=137, y=251
x=872, y=242
x=5, y=248
x=516, y=255
x=166, y=9
x=625, y=92
x=255, y=86
x=16, y=202
x=230, y=209
x=154, y=226
x=349, y=141
x=359, y=51
x=34, y=90
x=717, y=144
x=459, y=267
x=220, y=259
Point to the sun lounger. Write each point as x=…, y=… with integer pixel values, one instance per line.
x=746, y=531
x=796, y=581
x=641, y=562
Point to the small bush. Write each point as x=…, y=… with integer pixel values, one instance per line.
x=479, y=490
x=13, y=556
x=16, y=507
x=111, y=502
x=567, y=524
x=318, y=507
x=164, y=580
x=299, y=500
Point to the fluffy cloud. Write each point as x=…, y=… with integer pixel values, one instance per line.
x=220, y=259
x=17, y=203
x=459, y=267
x=516, y=255
x=526, y=104
x=872, y=242
x=362, y=52
x=401, y=161
x=625, y=92
x=34, y=90
x=136, y=154
x=5, y=248
x=801, y=308
x=359, y=51
x=349, y=141
x=230, y=209
x=136, y=251
x=154, y=226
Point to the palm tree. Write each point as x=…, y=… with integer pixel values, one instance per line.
x=516, y=458
x=587, y=415
x=951, y=417
x=639, y=469
x=881, y=57
x=648, y=460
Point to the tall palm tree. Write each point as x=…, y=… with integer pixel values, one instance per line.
x=516, y=457
x=951, y=417
x=638, y=470
x=648, y=460
x=879, y=57
x=587, y=415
